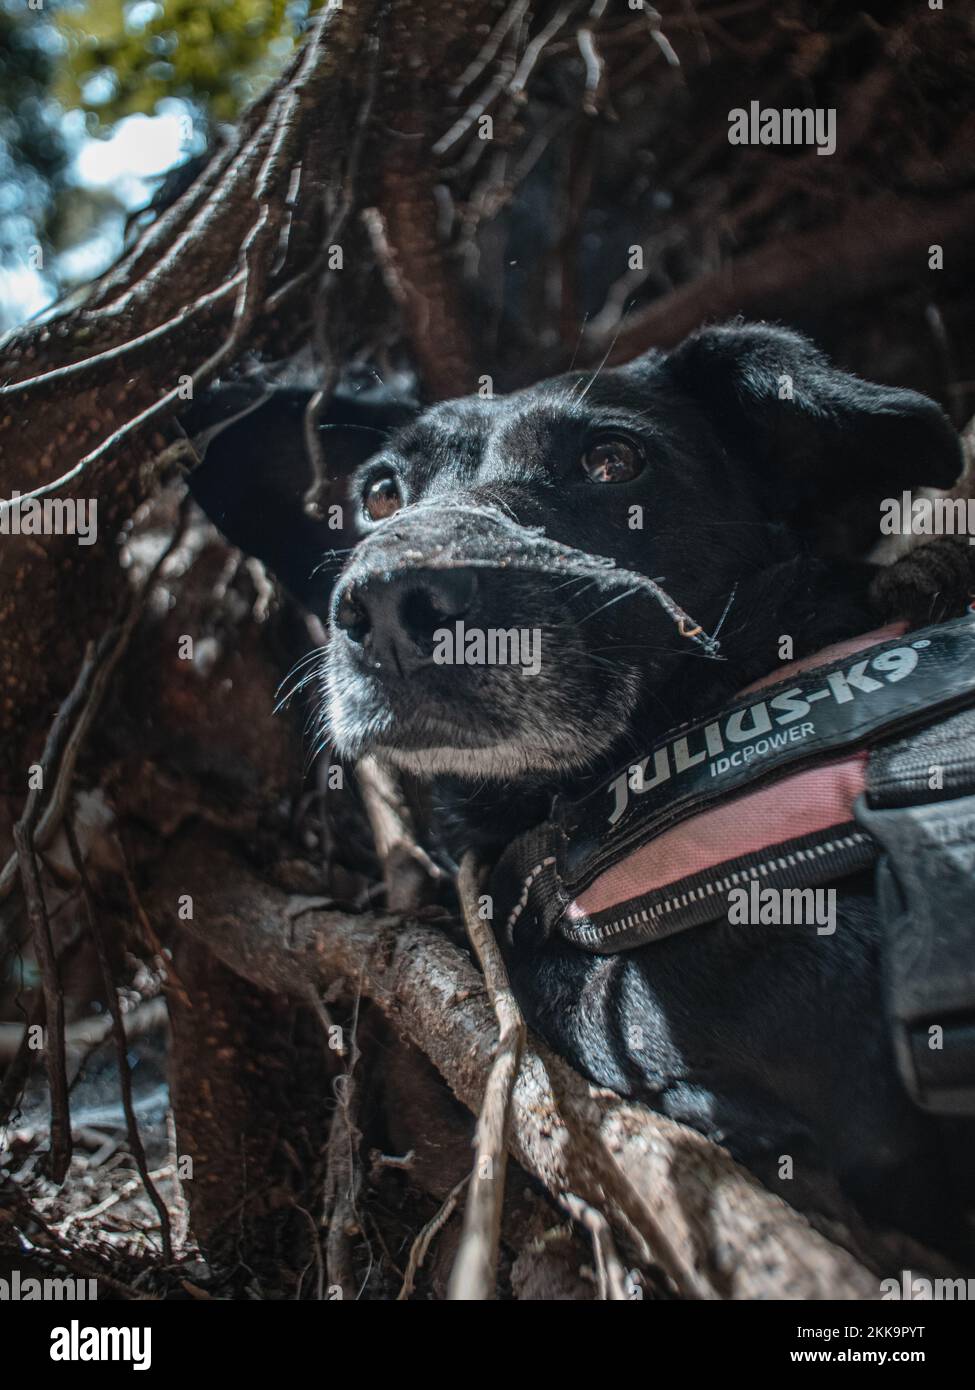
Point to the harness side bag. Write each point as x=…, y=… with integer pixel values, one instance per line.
x=919, y=807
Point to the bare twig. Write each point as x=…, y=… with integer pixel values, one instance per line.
x=511, y=18
x=343, y=1176
x=595, y=72
x=610, y=1274
x=535, y=49
x=407, y=868
x=474, y=1273
x=85, y=1034
x=419, y=1248
x=86, y=1263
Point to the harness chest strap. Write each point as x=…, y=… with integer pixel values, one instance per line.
x=867, y=749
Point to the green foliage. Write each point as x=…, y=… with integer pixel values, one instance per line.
x=124, y=56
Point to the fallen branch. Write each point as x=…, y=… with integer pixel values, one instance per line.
x=675, y=1198
x=83, y=1036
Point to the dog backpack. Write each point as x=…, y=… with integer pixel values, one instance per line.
x=862, y=755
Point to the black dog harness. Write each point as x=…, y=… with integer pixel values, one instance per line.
x=863, y=755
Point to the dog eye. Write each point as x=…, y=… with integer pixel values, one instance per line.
x=612, y=461
x=382, y=497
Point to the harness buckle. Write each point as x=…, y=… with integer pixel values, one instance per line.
x=926, y=896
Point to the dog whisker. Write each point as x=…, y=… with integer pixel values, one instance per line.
x=300, y=675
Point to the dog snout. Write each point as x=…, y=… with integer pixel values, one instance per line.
x=393, y=619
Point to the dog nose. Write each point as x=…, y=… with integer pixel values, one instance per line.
x=394, y=620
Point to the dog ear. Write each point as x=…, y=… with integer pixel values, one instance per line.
x=821, y=437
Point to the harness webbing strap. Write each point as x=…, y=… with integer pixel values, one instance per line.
x=814, y=717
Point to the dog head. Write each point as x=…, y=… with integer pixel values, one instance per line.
x=463, y=643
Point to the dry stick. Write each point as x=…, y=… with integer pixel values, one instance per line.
x=55, y=1057
x=86, y=695
x=343, y=1176
x=512, y=16
x=484, y=101
x=119, y=1195
x=56, y=738
x=595, y=71
x=538, y=45
x=419, y=1248
x=610, y=1273
x=474, y=1274
x=121, y=1046
x=85, y=1034
x=344, y=1181
x=478, y=107
x=406, y=866
x=593, y=62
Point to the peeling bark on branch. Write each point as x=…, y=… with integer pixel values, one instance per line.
x=680, y=1201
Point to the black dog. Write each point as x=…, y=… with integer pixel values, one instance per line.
x=742, y=464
